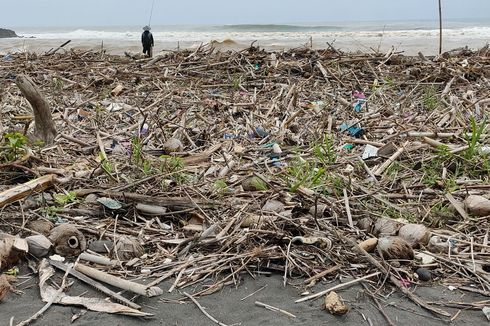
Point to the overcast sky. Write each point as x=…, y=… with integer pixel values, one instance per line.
x=14, y=13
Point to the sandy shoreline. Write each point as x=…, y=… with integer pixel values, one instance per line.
x=408, y=45
x=236, y=306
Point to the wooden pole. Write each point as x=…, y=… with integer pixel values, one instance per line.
x=44, y=126
x=440, y=27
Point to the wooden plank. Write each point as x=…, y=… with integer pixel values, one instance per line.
x=23, y=190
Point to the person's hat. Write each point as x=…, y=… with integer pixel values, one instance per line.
x=146, y=28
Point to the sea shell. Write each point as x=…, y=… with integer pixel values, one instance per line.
x=415, y=234
x=67, y=240
x=395, y=248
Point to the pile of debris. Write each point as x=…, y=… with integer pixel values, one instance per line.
x=204, y=165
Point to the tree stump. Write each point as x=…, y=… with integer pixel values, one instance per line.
x=44, y=128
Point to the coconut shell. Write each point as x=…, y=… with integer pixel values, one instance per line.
x=173, y=145
x=39, y=245
x=254, y=184
x=386, y=226
x=477, y=205
x=415, y=234
x=439, y=245
x=365, y=224
x=41, y=226
x=321, y=211
x=127, y=248
x=369, y=245
x=252, y=220
x=395, y=248
x=335, y=305
x=12, y=250
x=101, y=246
x=273, y=205
x=423, y=274
x=67, y=240
x=321, y=242
x=5, y=287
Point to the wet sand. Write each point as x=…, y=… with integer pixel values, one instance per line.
x=229, y=306
x=407, y=45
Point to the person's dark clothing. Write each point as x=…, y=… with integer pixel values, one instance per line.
x=147, y=41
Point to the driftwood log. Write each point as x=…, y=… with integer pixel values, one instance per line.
x=44, y=128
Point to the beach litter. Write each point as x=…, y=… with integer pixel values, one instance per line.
x=217, y=168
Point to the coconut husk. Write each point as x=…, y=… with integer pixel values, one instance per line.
x=321, y=242
x=273, y=205
x=101, y=246
x=369, y=245
x=321, y=211
x=415, y=234
x=67, y=240
x=5, y=286
x=386, y=226
x=477, y=205
x=173, y=145
x=12, y=250
x=395, y=248
x=254, y=184
x=335, y=305
x=253, y=220
x=39, y=245
x=365, y=224
x=440, y=245
x=41, y=226
x=127, y=248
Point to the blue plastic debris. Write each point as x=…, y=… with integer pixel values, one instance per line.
x=261, y=132
x=278, y=164
x=361, y=100
x=8, y=57
x=352, y=130
x=230, y=136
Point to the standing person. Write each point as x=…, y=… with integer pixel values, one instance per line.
x=147, y=41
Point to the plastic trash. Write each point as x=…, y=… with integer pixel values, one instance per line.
x=316, y=105
x=369, y=151
x=352, y=130
x=110, y=203
x=361, y=100
x=484, y=150
x=259, y=131
x=8, y=57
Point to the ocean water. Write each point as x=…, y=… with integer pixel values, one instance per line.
x=407, y=36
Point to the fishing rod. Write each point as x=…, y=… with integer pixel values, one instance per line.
x=151, y=12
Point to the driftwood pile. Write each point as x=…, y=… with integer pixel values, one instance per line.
x=203, y=166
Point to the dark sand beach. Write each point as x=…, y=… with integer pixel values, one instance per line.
x=229, y=307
